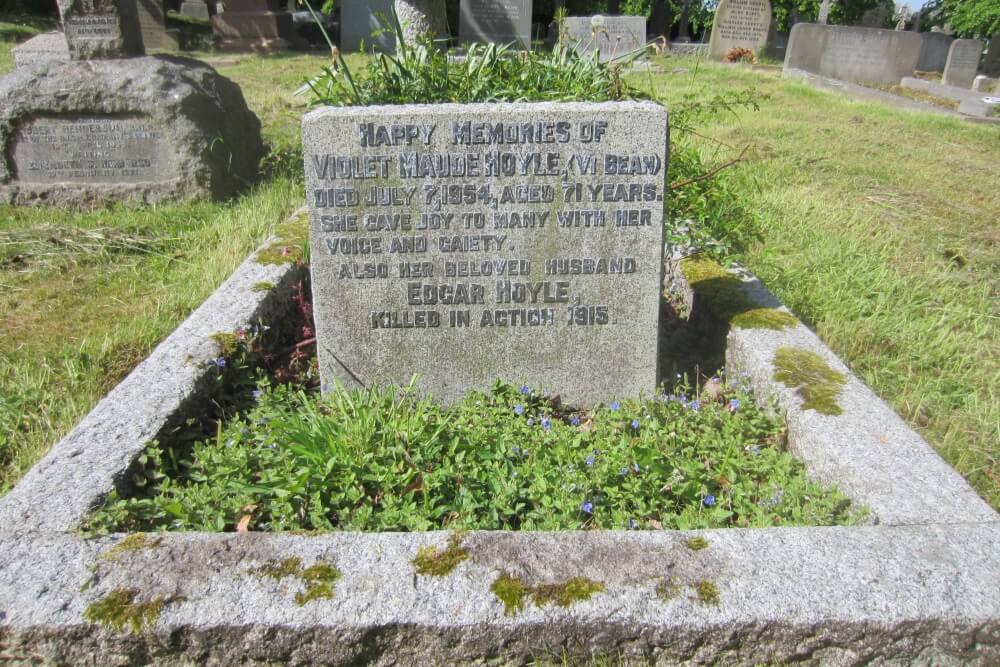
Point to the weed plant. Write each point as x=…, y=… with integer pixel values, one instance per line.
x=509, y=459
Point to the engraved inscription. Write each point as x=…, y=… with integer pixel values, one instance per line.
x=90, y=149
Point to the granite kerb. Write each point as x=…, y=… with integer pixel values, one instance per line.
x=920, y=586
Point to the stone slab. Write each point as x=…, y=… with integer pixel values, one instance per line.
x=611, y=36
x=101, y=28
x=963, y=63
x=196, y=9
x=499, y=21
x=739, y=24
x=934, y=51
x=970, y=102
x=857, y=55
x=68, y=141
x=361, y=25
x=40, y=49
x=152, y=25
x=540, y=265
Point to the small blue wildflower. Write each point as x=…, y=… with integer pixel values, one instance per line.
x=633, y=524
x=734, y=404
x=623, y=472
x=695, y=405
x=220, y=362
x=515, y=450
x=587, y=507
x=256, y=393
x=546, y=424
x=635, y=468
x=615, y=406
x=635, y=424
x=590, y=461
x=709, y=500
x=525, y=389
x=753, y=449
x=575, y=421
x=518, y=409
x=530, y=421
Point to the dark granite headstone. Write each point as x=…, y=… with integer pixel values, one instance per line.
x=466, y=243
x=498, y=21
x=611, y=36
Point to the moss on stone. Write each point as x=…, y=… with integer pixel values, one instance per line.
x=725, y=296
x=318, y=579
x=434, y=562
x=707, y=592
x=815, y=382
x=228, y=343
x=263, y=286
x=696, y=543
x=133, y=542
x=289, y=243
x=120, y=608
x=667, y=590
x=512, y=591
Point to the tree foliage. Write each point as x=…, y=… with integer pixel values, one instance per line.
x=968, y=18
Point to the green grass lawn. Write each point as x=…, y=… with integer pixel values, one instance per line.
x=880, y=231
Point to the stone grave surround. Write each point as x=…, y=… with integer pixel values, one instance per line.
x=463, y=243
x=85, y=132
x=361, y=25
x=739, y=24
x=610, y=36
x=963, y=63
x=858, y=55
x=499, y=21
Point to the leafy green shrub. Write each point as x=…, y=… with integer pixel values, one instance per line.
x=510, y=459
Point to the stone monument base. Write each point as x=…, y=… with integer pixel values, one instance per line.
x=141, y=131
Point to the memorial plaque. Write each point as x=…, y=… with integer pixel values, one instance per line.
x=101, y=28
x=90, y=149
x=499, y=21
x=466, y=243
x=963, y=63
x=361, y=23
x=612, y=36
x=859, y=55
x=739, y=24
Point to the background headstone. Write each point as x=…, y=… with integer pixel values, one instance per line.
x=43, y=48
x=824, y=12
x=991, y=61
x=739, y=24
x=152, y=25
x=253, y=25
x=196, y=9
x=466, y=243
x=934, y=51
x=876, y=17
x=422, y=17
x=611, y=36
x=963, y=63
x=499, y=21
x=101, y=28
x=859, y=55
x=360, y=20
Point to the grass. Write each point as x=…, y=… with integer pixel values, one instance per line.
x=879, y=232
x=17, y=28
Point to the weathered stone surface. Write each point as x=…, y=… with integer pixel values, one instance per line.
x=101, y=28
x=44, y=48
x=970, y=102
x=197, y=9
x=422, y=17
x=963, y=62
x=152, y=25
x=739, y=24
x=105, y=130
x=540, y=264
x=261, y=25
x=858, y=55
x=611, y=36
x=500, y=21
x=934, y=51
x=361, y=25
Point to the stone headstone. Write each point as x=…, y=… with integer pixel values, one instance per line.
x=361, y=24
x=963, y=63
x=858, y=55
x=466, y=243
x=877, y=17
x=499, y=21
x=196, y=9
x=259, y=25
x=934, y=51
x=44, y=48
x=739, y=24
x=991, y=61
x=610, y=36
x=422, y=17
x=101, y=28
x=152, y=26
x=142, y=130
x=824, y=12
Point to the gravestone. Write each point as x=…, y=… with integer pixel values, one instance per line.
x=739, y=24
x=142, y=130
x=858, y=55
x=824, y=12
x=466, y=243
x=422, y=17
x=499, y=21
x=610, y=36
x=963, y=63
x=361, y=24
x=253, y=25
x=196, y=9
x=934, y=51
x=876, y=17
x=101, y=28
x=152, y=26
x=43, y=48
x=991, y=61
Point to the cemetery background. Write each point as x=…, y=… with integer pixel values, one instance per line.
x=865, y=247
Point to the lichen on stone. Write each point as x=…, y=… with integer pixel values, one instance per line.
x=318, y=579
x=433, y=562
x=263, y=286
x=707, y=592
x=815, y=382
x=133, y=542
x=667, y=590
x=289, y=244
x=696, y=543
x=120, y=608
x=512, y=591
x=725, y=296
